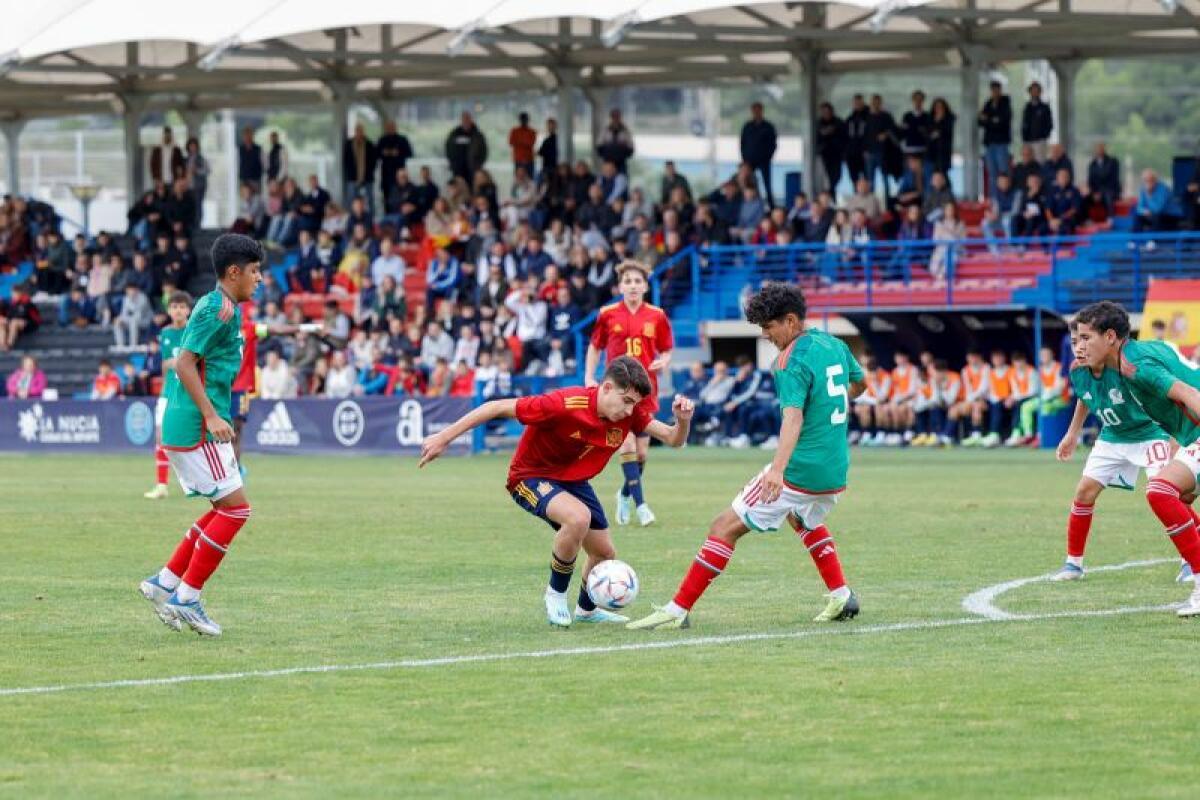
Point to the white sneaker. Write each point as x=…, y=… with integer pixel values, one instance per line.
x=624, y=507
x=973, y=440
x=645, y=515
x=771, y=443
x=894, y=440
x=991, y=440
x=740, y=442
x=1192, y=607
x=157, y=493
x=713, y=440
x=557, y=612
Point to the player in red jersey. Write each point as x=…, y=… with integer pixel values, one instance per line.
x=570, y=436
x=632, y=327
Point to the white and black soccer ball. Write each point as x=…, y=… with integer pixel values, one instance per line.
x=612, y=584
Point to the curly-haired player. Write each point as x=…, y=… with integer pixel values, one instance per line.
x=817, y=378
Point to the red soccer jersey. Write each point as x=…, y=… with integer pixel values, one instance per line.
x=643, y=334
x=244, y=382
x=565, y=439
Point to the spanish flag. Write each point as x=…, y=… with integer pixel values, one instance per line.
x=1175, y=303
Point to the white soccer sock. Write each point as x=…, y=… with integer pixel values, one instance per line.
x=675, y=610
x=841, y=593
x=1076, y=561
x=187, y=594
x=168, y=579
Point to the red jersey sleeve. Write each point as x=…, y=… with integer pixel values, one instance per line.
x=600, y=331
x=642, y=416
x=664, y=340
x=539, y=408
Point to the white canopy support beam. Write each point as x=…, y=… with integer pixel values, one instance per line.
x=12, y=142
x=968, y=133
x=1065, y=71
x=132, y=108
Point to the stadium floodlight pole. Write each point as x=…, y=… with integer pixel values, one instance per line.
x=883, y=13
x=465, y=35
x=618, y=28
x=217, y=54
x=9, y=60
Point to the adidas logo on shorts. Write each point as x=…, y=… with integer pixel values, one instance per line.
x=277, y=429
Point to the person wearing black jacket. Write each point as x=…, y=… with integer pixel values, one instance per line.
x=1037, y=121
x=856, y=139
x=394, y=152
x=1030, y=218
x=1104, y=177
x=915, y=126
x=996, y=120
x=548, y=151
x=758, y=146
x=941, y=136
x=881, y=132
x=359, y=156
x=466, y=149
x=831, y=144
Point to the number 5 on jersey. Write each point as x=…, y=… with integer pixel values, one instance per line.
x=836, y=390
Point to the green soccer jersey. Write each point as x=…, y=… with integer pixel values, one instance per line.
x=1149, y=369
x=169, y=341
x=214, y=334
x=813, y=374
x=1123, y=420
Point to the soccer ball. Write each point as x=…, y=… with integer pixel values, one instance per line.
x=612, y=584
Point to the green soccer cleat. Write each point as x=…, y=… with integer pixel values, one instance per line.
x=599, y=615
x=839, y=609
x=660, y=620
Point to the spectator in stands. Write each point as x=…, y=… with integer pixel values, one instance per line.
x=388, y=263
x=1156, y=208
x=166, y=160
x=402, y=203
x=947, y=232
x=941, y=136
x=522, y=199
x=390, y=301
x=1104, y=177
x=548, y=151
x=466, y=149
x=252, y=211
x=312, y=206
x=285, y=225
x=713, y=397
x=864, y=200
x=533, y=259
x=52, y=270
x=1191, y=204
x=26, y=382
x=276, y=381
x=750, y=212
x=136, y=315
x=881, y=135
x=937, y=197
x=410, y=382
x=697, y=379
x=758, y=145
x=915, y=127
x=996, y=120
x=442, y=278
x=278, y=167
x=531, y=314
x=394, y=151
x=250, y=160
x=107, y=384
x=1037, y=122
x=341, y=378
x=831, y=145
x=1058, y=159
x=521, y=140
x=913, y=229
x=821, y=219
x=359, y=157
x=1028, y=165
x=1063, y=205
x=616, y=142
x=196, y=170
x=335, y=325
x=1001, y=210
x=1030, y=220
x=77, y=309
x=856, y=140
x=596, y=215
x=135, y=383
x=270, y=292
x=435, y=344
x=100, y=285
x=746, y=385
x=613, y=185
x=671, y=180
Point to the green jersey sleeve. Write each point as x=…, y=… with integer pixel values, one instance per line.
x=205, y=331
x=1152, y=377
x=793, y=384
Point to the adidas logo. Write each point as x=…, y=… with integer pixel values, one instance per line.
x=1086, y=396
x=277, y=429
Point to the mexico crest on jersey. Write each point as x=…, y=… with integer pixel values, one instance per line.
x=1115, y=396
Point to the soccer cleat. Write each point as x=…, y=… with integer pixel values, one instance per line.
x=158, y=595
x=557, y=613
x=645, y=515
x=1185, y=573
x=1069, y=572
x=839, y=609
x=990, y=441
x=157, y=493
x=1192, y=607
x=660, y=620
x=1015, y=439
x=599, y=615
x=193, y=614
x=974, y=440
x=624, y=507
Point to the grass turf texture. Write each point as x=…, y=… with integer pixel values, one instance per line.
x=352, y=561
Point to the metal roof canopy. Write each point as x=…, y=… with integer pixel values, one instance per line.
x=67, y=57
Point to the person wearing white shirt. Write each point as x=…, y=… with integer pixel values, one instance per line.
x=467, y=348
x=276, y=379
x=387, y=264
x=341, y=378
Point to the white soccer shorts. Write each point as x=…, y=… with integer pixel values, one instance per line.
x=1190, y=457
x=809, y=509
x=1118, y=464
x=160, y=408
x=210, y=470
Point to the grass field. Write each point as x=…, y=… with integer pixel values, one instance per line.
x=355, y=562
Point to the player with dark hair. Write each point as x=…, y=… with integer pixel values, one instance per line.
x=197, y=434
x=179, y=306
x=1166, y=391
x=632, y=327
x=817, y=378
x=570, y=436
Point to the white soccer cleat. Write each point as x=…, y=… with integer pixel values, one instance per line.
x=600, y=615
x=1192, y=607
x=157, y=493
x=624, y=508
x=990, y=441
x=557, y=611
x=192, y=612
x=1185, y=573
x=1069, y=572
x=158, y=594
x=974, y=440
x=645, y=515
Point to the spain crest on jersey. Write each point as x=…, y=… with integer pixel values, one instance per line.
x=648, y=330
x=614, y=437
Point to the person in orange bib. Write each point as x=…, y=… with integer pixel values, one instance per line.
x=904, y=395
x=1054, y=395
x=976, y=379
x=871, y=407
x=1024, y=381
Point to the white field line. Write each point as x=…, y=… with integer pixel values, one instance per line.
x=978, y=603
x=982, y=603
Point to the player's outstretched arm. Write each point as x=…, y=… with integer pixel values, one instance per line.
x=674, y=435
x=436, y=444
x=590, y=362
x=1186, y=396
x=789, y=435
x=189, y=376
x=1070, y=440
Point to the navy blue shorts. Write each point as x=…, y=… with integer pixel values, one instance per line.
x=239, y=406
x=534, y=494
